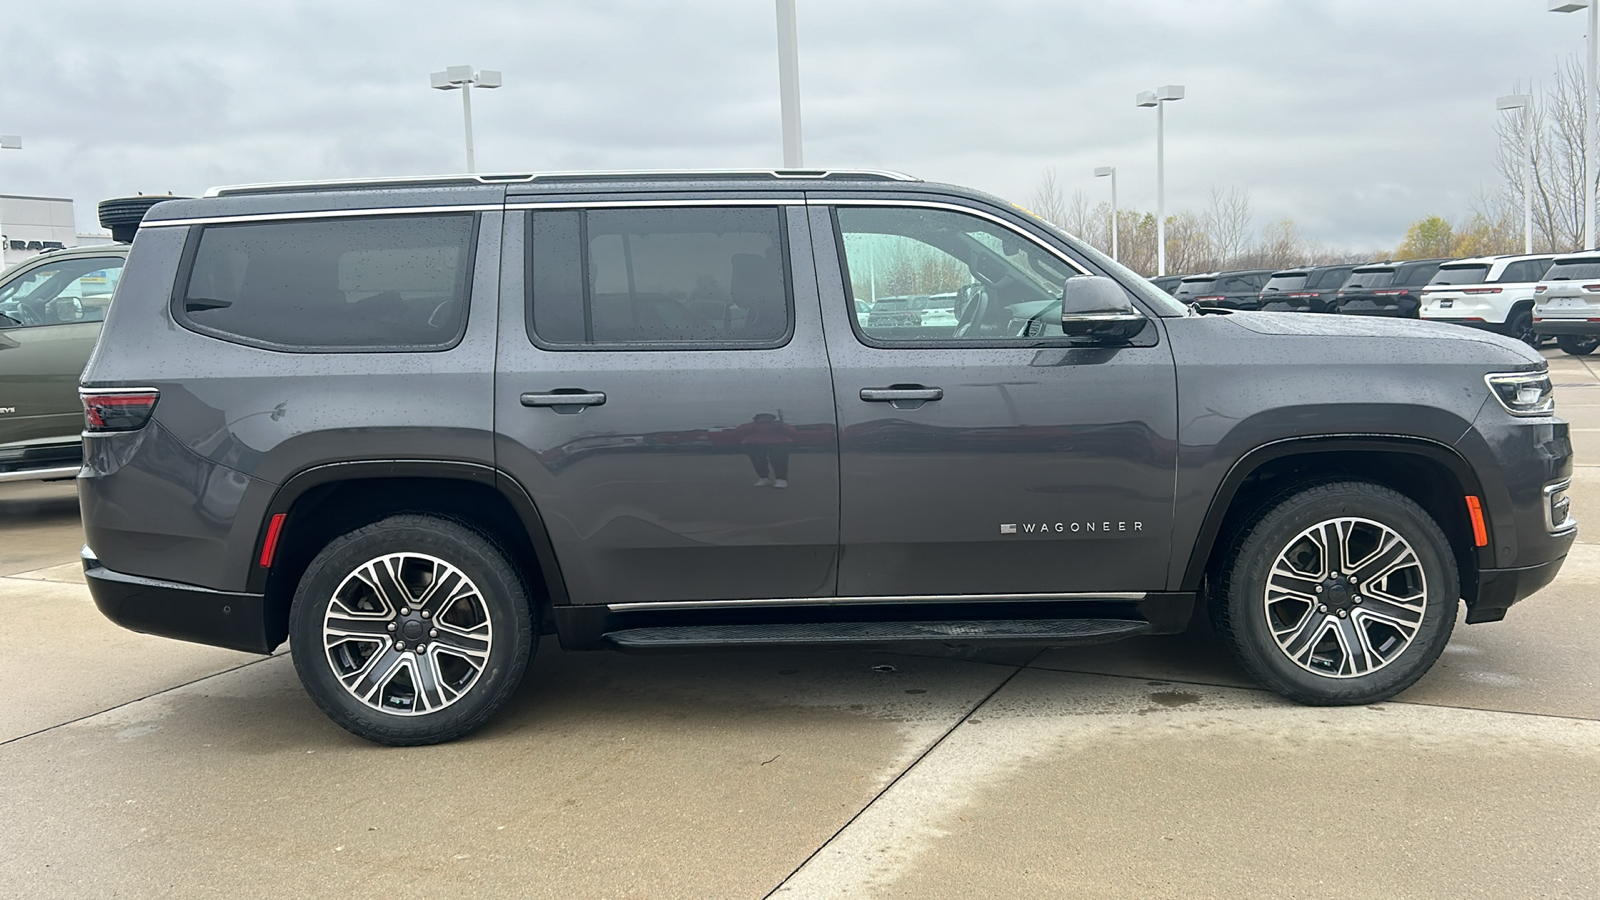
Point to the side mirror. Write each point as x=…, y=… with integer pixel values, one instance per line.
x=1096, y=309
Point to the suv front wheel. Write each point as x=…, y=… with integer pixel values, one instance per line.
x=411, y=630
x=1342, y=593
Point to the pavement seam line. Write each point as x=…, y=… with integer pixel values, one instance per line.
x=896, y=780
x=101, y=712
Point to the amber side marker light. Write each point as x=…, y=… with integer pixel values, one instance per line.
x=1480, y=531
x=270, y=546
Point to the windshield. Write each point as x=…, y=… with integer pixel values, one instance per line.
x=1368, y=278
x=1193, y=287
x=1568, y=269
x=1286, y=281
x=1461, y=274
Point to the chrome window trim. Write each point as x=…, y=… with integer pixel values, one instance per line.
x=955, y=207
x=623, y=204
x=323, y=214
x=866, y=601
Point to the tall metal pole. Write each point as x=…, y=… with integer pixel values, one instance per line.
x=1161, y=190
x=1114, y=214
x=466, y=115
x=1589, y=97
x=789, y=84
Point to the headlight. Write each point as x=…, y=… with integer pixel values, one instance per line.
x=1523, y=393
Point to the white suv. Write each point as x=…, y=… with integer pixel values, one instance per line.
x=1569, y=304
x=1492, y=292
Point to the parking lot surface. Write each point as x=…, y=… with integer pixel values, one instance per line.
x=137, y=766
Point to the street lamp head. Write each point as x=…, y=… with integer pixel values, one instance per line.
x=1169, y=92
x=441, y=81
x=458, y=77
x=1568, y=5
x=1513, y=101
x=10, y=142
x=488, y=78
x=1103, y=171
x=1146, y=98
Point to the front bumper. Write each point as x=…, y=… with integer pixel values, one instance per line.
x=1499, y=588
x=182, y=611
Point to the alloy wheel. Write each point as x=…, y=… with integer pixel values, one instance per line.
x=1345, y=597
x=407, y=634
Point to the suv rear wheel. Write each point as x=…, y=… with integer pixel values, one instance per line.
x=411, y=630
x=1577, y=344
x=1337, y=594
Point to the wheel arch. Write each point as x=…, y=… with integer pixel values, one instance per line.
x=325, y=501
x=1430, y=473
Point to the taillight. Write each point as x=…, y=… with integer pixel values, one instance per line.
x=1212, y=297
x=1591, y=287
x=1303, y=294
x=117, y=409
x=1391, y=293
x=1540, y=288
x=1482, y=290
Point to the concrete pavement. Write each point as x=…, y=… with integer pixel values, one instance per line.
x=136, y=766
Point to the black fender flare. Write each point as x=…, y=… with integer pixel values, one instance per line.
x=1227, y=490
x=296, y=486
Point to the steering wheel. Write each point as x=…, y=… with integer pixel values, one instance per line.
x=21, y=314
x=971, y=313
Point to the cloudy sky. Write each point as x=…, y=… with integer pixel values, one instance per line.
x=1352, y=117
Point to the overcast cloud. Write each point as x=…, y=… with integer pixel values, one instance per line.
x=1351, y=117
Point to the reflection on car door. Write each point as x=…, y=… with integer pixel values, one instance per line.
x=988, y=458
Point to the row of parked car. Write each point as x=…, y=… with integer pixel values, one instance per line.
x=1528, y=297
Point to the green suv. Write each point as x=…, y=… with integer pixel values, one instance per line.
x=51, y=308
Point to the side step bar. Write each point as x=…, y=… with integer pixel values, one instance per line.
x=1053, y=632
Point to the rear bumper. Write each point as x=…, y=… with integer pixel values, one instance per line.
x=182, y=611
x=1499, y=588
x=1565, y=326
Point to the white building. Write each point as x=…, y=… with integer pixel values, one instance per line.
x=31, y=225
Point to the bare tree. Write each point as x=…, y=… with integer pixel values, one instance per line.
x=1227, y=223
x=1555, y=118
x=1049, y=202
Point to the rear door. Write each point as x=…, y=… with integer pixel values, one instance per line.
x=663, y=393
x=988, y=457
x=50, y=316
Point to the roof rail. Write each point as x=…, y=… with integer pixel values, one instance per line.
x=544, y=177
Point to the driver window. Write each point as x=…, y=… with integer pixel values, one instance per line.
x=920, y=275
x=70, y=291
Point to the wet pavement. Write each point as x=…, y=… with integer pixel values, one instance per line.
x=137, y=766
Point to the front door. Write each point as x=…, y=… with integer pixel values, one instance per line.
x=663, y=394
x=979, y=453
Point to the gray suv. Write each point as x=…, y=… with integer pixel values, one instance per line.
x=411, y=425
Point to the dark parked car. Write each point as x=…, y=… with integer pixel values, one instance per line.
x=411, y=425
x=1304, y=289
x=1168, y=283
x=1225, y=290
x=1392, y=289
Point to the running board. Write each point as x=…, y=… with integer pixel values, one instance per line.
x=1052, y=632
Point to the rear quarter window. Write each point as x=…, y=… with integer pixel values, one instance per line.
x=348, y=284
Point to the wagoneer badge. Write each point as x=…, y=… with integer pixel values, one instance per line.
x=1072, y=527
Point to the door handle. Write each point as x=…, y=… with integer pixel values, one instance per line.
x=565, y=402
x=902, y=396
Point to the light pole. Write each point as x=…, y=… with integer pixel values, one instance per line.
x=1156, y=98
x=7, y=142
x=789, y=84
x=1524, y=102
x=1589, y=91
x=1102, y=172
x=463, y=79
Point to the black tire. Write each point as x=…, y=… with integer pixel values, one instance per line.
x=1520, y=326
x=450, y=690
x=122, y=215
x=1250, y=612
x=1577, y=344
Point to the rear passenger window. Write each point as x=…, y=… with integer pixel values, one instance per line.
x=372, y=283
x=669, y=277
